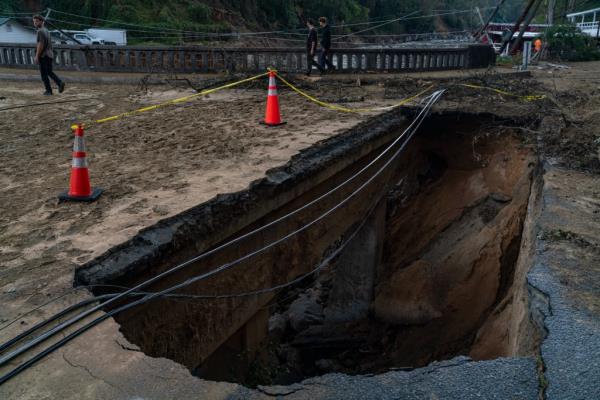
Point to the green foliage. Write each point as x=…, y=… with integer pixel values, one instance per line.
x=10, y=6
x=566, y=42
x=122, y=12
x=200, y=13
x=342, y=11
x=266, y=15
x=274, y=14
x=505, y=61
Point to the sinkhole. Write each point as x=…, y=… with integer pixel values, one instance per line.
x=425, y=262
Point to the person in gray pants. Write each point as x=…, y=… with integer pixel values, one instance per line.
x=44, y=56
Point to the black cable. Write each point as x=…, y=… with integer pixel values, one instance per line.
x=178, y=267
x=57, y=345
x=90, y=286
x=43, y=323
x=433, y=98
x=67, y=293
x=210, y=273
x=5, y=326
x=85, y=302
x=94, y=299
x=130, y=290
x=90, y=300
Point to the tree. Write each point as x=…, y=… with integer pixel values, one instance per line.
x=550, y=12
x=567, y=43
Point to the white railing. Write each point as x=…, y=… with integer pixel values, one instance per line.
x=199, y=59
x=589, y=28
x=587, y=25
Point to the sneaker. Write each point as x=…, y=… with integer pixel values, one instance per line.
x=47, y=93
x=61, y=87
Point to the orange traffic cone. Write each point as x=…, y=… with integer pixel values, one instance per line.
x=79, y=188
x=272, y=116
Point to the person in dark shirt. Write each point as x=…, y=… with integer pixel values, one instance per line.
x=311, y=47
x=325, y=56
x=44, y=56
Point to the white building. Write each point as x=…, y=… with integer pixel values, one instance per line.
x=586, y=21
x=12, y=31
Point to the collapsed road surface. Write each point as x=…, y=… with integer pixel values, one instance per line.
x=474, y=191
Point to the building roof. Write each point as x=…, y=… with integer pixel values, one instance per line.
x=516, y=34
x=577, y=14
x=15, y=22
x=4, y=20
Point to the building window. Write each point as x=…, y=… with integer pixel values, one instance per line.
x=8, y=28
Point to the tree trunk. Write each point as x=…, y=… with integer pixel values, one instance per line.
x=550, y=11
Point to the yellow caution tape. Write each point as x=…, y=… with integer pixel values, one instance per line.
x=351, y=110
x=526, y=98
x=304, y=94
x=170, y=102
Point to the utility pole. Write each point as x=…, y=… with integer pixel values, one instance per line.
x=517, y=42
x=510, y=34
x=598, y=32
x=550, y=12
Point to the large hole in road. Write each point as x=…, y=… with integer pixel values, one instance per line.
x=430, y=270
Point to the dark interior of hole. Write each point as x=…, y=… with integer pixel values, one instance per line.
x=452, y=233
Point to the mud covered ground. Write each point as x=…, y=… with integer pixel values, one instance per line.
x=158, y=164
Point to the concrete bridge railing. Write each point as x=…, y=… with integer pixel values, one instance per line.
x=201, y=59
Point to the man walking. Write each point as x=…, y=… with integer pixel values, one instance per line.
x=325, y=56
x=311, y=47
x=44, y=56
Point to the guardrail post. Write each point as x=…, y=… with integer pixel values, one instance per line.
x=170, y=61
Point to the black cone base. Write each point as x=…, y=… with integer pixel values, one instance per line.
x=279, y=124
x=96, y=192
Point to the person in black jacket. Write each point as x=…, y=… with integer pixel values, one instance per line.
x=311, y=47
x=325, y=56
